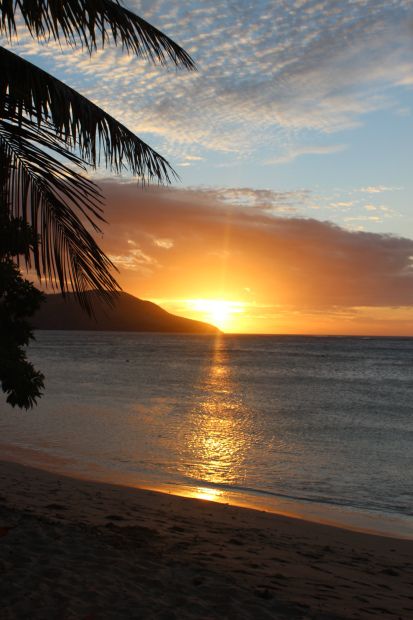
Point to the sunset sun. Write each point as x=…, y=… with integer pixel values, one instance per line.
x=219, y=312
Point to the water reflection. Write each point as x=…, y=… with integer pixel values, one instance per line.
x=207, y=494
x=218, y=433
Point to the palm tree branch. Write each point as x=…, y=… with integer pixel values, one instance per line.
x=93, y=23
x=53, y=199
x=85, y=194
x=27, y=90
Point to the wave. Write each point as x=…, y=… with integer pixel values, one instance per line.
x=381, y=508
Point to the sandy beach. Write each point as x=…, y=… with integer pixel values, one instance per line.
x=74, y=549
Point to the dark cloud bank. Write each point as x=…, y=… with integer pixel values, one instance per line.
x=179, y=237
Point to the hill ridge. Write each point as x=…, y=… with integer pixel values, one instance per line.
x=128, y=314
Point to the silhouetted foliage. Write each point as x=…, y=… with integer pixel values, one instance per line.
x=47, y=207
x=19, y=299
x=42, y=121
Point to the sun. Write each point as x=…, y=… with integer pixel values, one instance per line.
x=219, y=312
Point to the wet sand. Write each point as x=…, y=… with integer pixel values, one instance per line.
x=74, y=549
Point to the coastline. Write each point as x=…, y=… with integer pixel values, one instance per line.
x=286, y=443
x=73, y=548
x=343, y=517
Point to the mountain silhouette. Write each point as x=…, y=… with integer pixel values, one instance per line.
x=128, y=314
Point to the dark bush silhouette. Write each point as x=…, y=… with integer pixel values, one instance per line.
x=48, y=134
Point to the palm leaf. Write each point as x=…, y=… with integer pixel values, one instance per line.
x=26, y=90
x=58, y=203
x=92, y=23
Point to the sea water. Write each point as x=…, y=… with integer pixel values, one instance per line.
x=316, y=426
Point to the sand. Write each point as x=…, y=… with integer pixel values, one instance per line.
x=73, y=549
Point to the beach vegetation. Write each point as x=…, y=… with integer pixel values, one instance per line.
x=19, y=300
x=50, y=134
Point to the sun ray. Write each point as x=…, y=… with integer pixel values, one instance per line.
x=219, y=312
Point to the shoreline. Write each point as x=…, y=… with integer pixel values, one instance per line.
x=72, y=548
x=342, y=517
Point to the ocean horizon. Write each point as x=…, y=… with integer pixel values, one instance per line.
x=316, y=426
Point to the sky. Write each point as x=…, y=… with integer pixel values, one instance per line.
x=294, y=146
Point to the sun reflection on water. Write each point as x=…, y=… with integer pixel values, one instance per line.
x=207, y=494
x=217, y=436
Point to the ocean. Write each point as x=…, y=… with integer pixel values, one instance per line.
x=320, y=427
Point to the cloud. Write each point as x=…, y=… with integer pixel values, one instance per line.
x=166, y=244
x=221, y=248
x=306, y=150
x=378, y=189
x=267, y=72
x=273, y=200
x=363, y=218
x=134, y=260
x=342, y=204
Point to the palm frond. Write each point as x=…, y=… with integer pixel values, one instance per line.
x=26, y=90
x=93, y=23
x=57, y=202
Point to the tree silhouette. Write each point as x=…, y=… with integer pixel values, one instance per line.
x=49, y=133
x=43, y=121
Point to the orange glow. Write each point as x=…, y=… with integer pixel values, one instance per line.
x=220, y=441
x=206, y=493
x=249, y=271
x=219, y=312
